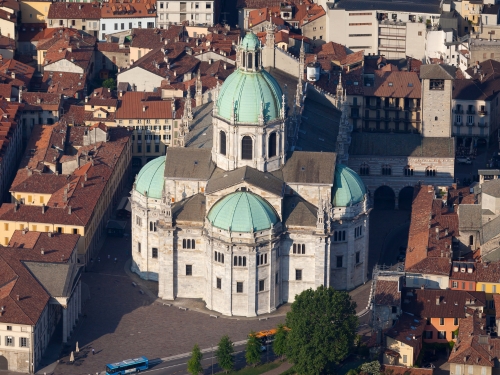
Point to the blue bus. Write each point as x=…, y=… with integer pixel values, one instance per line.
x=128, y=366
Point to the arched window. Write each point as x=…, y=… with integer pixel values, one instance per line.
x=244, y=261
x=265, y=258
x=364, y=169
x=303, y=249
x=240, y=261
x=184, y=246
x=386, y=170
x=408, y=171
x=246, y=148
x=235, y=262
x=222, y=142
x=222, y=258
x=272, y=144
x=249, y=60
x=257, y=59
x=193, y=244
x=430, y=172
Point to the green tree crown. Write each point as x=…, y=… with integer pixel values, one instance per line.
x=252, y=351
x=194, y=366
x=224, y=353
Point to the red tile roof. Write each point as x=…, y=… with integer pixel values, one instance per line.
x=38, y=101
x=141, y=105
x=154, y=38
x=395, y=84
x=126, y=9
x=488, y=272
x=112, y=47
x=15, y=69
x=65, y=83
x=408, y=329
x=74, y=11
x=387, y=293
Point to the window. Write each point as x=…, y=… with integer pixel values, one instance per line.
x=458, y=369
x=139, y=24
x=386, y=170
x=9, y=341
x=222, y=142
x=358, y=231
x=138, y=220
x=419, y=33
x=441, y=321
x=239, y=287
x=152, y=226
x=364, y=169
x=188, y=243
x=405, y=358
x=272, y=144
x=240, y=261
x=455, y=284
x=357, y=257
x=218, y=257
x=59, y=229
x=339, y=236
x=9, y=328
x=276, y=278
x=494, y=289
x=471, y=240
x=340, y=259
x=42, y=200
x=219, y=283
x=455, y=321
x=261, y=285
x=436, y=84
x=208, y=6
x=154, y=252
x=483, y=288
x=6, y=226
x=298, y=274
x=442, y=335
x=299, y=248
x=430, y=172
x=138, y=247
x=246, y=148
x=408, y=171
x=189, y=270
x=428, y=334
x=23, y=342
x=116, y=26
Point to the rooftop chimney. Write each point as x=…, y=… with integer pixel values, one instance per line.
x=43, y=208
x=438, y=300
x=69, y=210
x=42, y=252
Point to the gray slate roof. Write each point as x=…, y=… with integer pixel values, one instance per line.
x=422, y=6
x=58, y=279
x=223, y=179
x=310, y=168
x=491, y=187
x=201, y=129
x=190, y=209
x=298, y=212
x=392, y=144
x=189, y=163
x=469, y=217
x=437, y=71
x=491, y=229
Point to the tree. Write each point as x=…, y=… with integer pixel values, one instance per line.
x=252, y=351
x=279, y=344
x=371, y=368
x=322, y=326
x=194, y=366
x=109, y=83
x=224, y=353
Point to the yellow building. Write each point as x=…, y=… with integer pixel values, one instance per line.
x=488, y=281
x=34, y=11
x=72, y=192
x=404, y=341
x=470, y=15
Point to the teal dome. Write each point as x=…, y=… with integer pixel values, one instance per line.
x=248, y=91
x=250, y=42
x=150, y=178
x=242, y=211
x=348, y=188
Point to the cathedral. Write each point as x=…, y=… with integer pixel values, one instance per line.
x=250, y=223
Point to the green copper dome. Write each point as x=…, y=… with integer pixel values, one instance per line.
x=250, y=42
x=150, y=178
x=348, y=188
x=242, y=211
x=247, y=90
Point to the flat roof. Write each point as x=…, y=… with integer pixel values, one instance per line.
x=419, y=7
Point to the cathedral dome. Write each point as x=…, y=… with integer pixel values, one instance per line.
x=242, y=211
x=249, y=88
x=348, y=188
x=150, y=178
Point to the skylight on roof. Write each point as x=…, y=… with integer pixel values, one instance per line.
x=410, y=84
x=390, y=84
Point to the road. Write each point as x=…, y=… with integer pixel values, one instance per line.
x=179, y=366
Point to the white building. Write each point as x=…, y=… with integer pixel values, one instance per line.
x=196, y=12
x=122, y=17
x=240, y=225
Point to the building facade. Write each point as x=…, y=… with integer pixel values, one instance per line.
x=239, y=224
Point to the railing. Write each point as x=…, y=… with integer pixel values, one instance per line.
x=393, y=108
x=470, y=124
x=458, y=123
x=471, y=112
x=458, y=111
x=412, y=109
x=481, y=125
x=355, y=105
x=483, y=113
x=391, y=47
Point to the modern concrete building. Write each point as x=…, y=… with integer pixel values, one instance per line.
x=175, y=12
x=239, y=222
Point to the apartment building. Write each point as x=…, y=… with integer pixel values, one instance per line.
x=121, y=16
x=395, y=30
x=68, y=182
x=100, y=106
x=175, y=12
x=144, y=41
x=470, y=15
x=39, y=108
x=11, y=140
x=156, y=123
x=80, y=16
x=404, y=341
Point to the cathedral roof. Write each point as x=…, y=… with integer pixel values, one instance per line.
x=246, y=91
x=242, y=211
x=310, y=167
x=150, y=178
x=189, y=163
x=297, y=212
x=348, y=187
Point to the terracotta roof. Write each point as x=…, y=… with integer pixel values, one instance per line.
x=74, y=203
x=7, y=43
x=496, y=299
x=73, y=114
x=154, y=38
x=37, y=101
x=127, y=9
x=488, y=272
x=387, y=293
x=303, y=12
x=74, y=11
x=39, y=183
x=138, y=105
x=437, y=303
x=112, y=47
x=258, y=16
x=468, y=275
x=32, y=32
x=395, y=84
x=69, y=37
x=65, y=83
x=254, y=4
x=13, y=68
x=57, y=247
x=80, y=58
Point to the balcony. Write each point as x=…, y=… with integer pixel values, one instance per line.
x=412, y=109
x=458, y=111
x=470, y=124
x=392, y=108
x=483, y=113
x=354, y=105
x=481, y=125
x=458, y=123
x=386, y=47
x=471, y=112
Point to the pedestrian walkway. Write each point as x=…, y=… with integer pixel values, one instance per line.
x=285, y=366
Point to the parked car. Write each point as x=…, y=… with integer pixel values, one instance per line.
x=464, y=160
